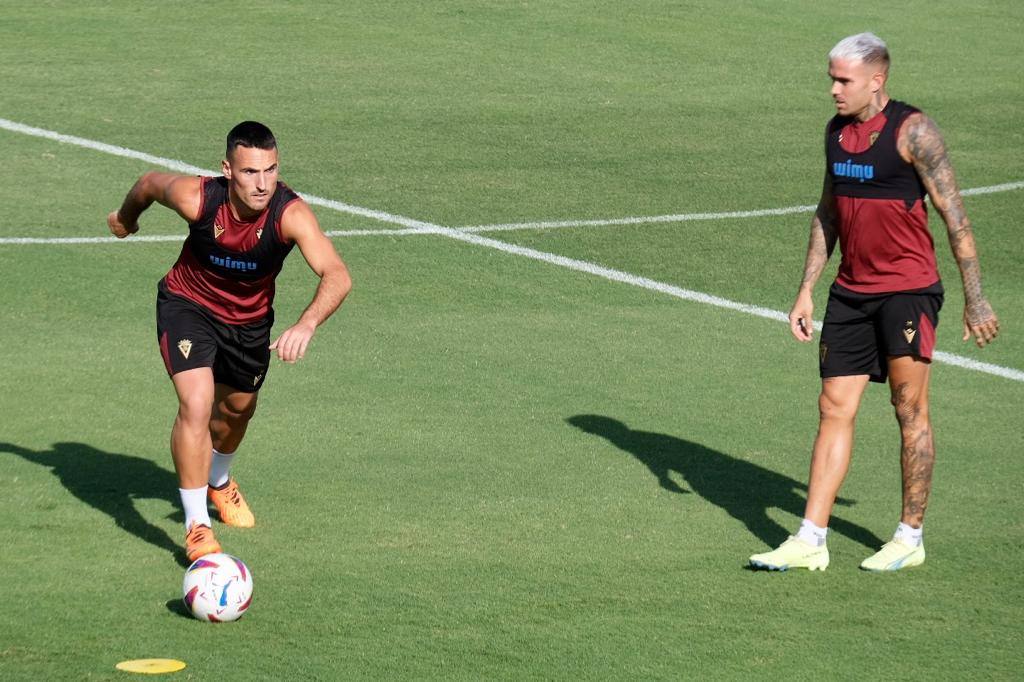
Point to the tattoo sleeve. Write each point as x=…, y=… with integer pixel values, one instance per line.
x=924, y=143
x=822, y=239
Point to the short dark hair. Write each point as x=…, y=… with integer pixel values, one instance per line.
x=250, y=134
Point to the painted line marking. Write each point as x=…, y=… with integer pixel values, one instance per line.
x=146, y=238
x=414, y=227
x=141, y=238
x=182, y=167
x=687, y=217
x=636, y=220
x=419, y=226
x=497, y=227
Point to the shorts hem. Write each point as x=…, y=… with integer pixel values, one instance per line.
x=240, y=389
x=910, y=354
x=877, y=378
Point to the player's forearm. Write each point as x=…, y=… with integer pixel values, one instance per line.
x=334, y=286
x=140, y=197
x=961, y=240
x=818, y=250
x=928, y=152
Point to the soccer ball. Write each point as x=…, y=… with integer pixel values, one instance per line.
x=217, y=588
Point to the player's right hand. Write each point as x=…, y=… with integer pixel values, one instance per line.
x=119, y=229
x=801, y=318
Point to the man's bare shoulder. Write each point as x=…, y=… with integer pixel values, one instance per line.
x=182, y=193
x=918, y=134
x=297, y=220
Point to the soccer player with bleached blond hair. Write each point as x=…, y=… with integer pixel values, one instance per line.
x=883, y=157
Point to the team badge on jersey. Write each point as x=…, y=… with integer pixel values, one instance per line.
x=909, y=332
x=185, y=346
x=874, y=136
x=259, y=233
x=217, y=231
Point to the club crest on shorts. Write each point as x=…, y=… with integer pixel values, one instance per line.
x=185, y=346
x=256, y=379
x=822, y=353
x=909, y=332
x=217, y=231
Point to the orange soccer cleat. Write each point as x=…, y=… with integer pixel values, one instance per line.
x=231, y=505
x=199, y=541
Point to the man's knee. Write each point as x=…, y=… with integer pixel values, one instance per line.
x=911, y=405
x=837, y=406
x=194, y=410
x=237, y=409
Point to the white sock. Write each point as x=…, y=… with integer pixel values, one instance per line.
x=910, y=535
x=193, y=501
x=812, y=534
x=219, y=468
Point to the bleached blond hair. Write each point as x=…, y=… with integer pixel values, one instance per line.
x=866, y=47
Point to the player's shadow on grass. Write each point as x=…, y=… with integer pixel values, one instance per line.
x=745, y=491
x=110, y=482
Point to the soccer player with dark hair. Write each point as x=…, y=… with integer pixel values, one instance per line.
x=214, y=310
x=883, y=157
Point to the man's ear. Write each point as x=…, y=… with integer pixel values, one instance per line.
x=877, y=82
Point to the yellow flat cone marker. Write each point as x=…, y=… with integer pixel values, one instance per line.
x=151, y=666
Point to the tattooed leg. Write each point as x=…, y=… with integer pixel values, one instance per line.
x=908, y=380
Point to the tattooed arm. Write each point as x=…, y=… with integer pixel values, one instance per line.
x=920, y=143
x=819, y=247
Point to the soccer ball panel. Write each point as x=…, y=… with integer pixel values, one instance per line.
x=217, y=588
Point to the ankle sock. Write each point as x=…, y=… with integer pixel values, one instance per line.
x=910, y=535
x=812, y=534
x=220, y=468
x=193, y=501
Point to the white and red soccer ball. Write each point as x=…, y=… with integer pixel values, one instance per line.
x=217, y=588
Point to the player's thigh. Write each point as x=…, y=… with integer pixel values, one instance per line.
x=907, y=324
x=187, y=338
x=840, y=395
x=849, y=343
x=909, y=376
x=244, y=357
x=195, y=389
x=231, y=404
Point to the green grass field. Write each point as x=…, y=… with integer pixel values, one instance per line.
x=489, y=466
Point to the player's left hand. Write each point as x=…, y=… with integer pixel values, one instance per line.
x=291, y=345
x=981, y=323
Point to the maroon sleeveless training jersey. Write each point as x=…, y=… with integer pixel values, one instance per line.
x=883, y=222
x=226, y=265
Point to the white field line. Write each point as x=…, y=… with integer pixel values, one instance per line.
x=146, y=238
x=387, y=217
x=417, y=226
x=686, y=217
x=635, y=220
x=182, y=167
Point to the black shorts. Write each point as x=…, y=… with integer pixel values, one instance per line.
x=862, y=330
x=190, y=336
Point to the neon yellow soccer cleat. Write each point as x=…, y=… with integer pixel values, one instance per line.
x=893, y=556
x=231, y=506
x=793, y=553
